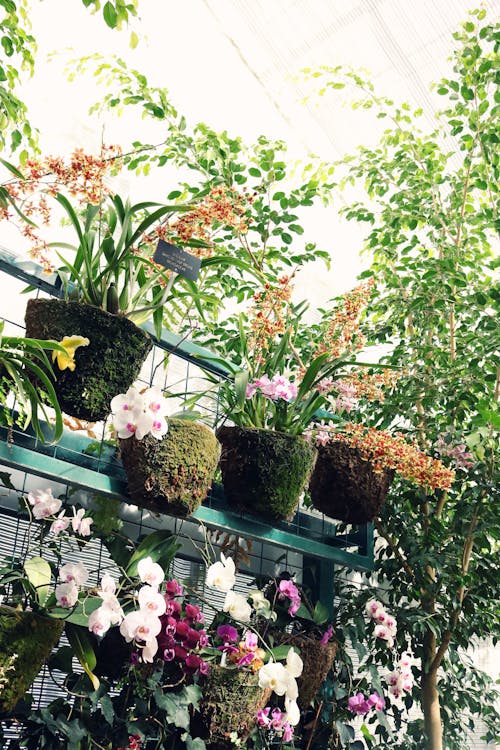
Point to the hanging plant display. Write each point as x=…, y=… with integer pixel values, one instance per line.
x=170, y=463
x=101, y=366
x=264, y=471
x=26, y=640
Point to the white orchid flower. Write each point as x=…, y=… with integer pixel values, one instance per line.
x=108, y=584
x=66, y=594
x=76, y=572
x=111, y=606
x=150, y=600
x=44, y=503
x=150, y=572
x=140, y=626
x=99, y=621
x=294, y=663
x=126, y=402
x=292, y=711
x=237, y=606
x=149, y=651
x=222, y=575
x=80, y=524
x=275, y=676
x=154, y=401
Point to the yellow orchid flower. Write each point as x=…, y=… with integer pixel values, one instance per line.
x=66, y=360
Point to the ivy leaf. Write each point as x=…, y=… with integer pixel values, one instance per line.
x=107, y=708
x=6, y=481
x=320, y=614
x=161, y=546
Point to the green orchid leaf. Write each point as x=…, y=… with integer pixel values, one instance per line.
x=80, y=613
x=320, y=614
x=160, y=545
x=79, y=641
x=39, y=574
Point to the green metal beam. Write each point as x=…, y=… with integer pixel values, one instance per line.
x=42, y=465
x=50, y=467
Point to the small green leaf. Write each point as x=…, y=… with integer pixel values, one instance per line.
x=110, y=16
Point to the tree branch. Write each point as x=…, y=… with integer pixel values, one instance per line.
x=394, y=546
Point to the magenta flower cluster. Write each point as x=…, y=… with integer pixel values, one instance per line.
x=274, y=388
x=182, y=634
x=360, y=705
x=289, y=589
x=277, y=721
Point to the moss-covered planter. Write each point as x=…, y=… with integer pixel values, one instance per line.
x=106, y=367
x=317, y=659
x=345, y=486
x=26, y=640
x=231, y=699
x=263, y=471
x=172, y=475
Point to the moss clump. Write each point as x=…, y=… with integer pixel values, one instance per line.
x=26, y=640
x=231, y=700
x=171, y=475
x=263, y=471
x=345, y=486
x=106, y=367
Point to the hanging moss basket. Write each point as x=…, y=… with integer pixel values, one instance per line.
x=26, y=640
x=229, y=705
x=172, y=475
x=263, y=471
x=345, y=486
x=317, y=659
x=106, y=367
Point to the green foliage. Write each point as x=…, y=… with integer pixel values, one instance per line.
x=17, y=51
x=431, y=215
x=112, y=266
x=18, y=47
x=115, y=13
x=21, y=361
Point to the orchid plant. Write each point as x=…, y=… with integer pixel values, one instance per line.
x=110, y=264
x=53, y=588
x=139, y=413
x=21, y=360
x=276, y=389
x=373, y=691
x=285, y=372
x=163, y=634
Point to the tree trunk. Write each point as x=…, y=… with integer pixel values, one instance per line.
x=430, y=697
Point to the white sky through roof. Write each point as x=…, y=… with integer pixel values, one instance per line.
x=233, y=65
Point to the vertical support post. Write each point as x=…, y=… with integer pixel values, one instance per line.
x=319, y=577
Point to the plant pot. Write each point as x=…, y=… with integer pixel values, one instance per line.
x=317, y=658
x=231, y=698
x=106, y=367
x=26, y=640
x=264, y=472
x=172, y=475
x=345, y=486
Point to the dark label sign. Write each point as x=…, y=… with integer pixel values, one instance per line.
x=177, y=260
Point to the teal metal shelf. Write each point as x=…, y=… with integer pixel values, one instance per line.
x=69, y=462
